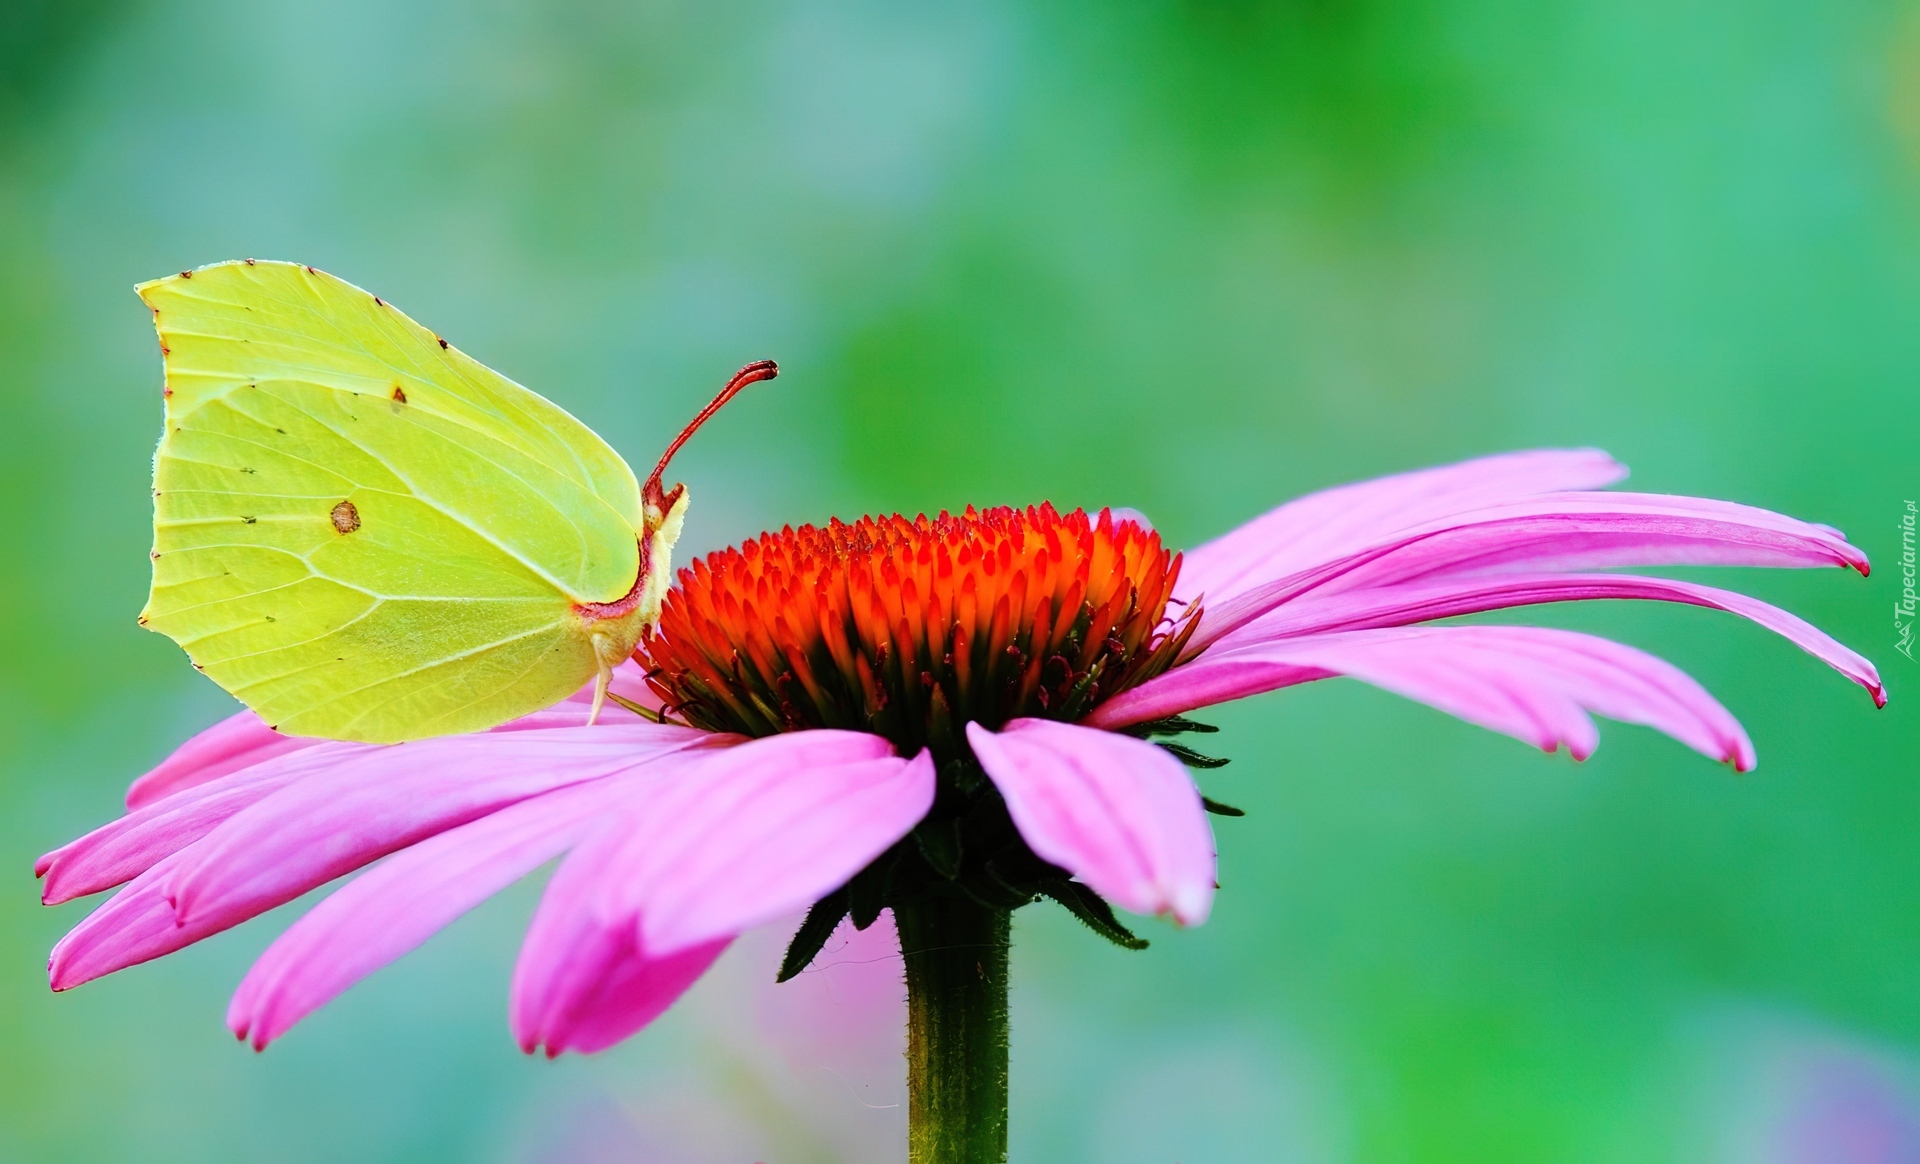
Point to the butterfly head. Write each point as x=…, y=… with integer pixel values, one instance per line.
x=663, y=510
x=662, y=506
x=615, y=626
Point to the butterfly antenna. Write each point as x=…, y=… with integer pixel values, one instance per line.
x=751, y=374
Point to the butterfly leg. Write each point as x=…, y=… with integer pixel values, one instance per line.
x=602, y=647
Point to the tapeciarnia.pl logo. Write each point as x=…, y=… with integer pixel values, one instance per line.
x=1903, y=609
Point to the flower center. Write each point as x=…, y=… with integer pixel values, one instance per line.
x=912, y=628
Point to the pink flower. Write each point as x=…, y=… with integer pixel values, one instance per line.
x=845, y=717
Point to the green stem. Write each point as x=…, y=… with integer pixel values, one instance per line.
x=956, y=955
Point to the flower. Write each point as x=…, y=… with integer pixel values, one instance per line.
x=842, y=718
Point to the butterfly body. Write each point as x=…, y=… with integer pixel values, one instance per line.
x=365, y=534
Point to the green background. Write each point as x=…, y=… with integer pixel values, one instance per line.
x=1194, y=258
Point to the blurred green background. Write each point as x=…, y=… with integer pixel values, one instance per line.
x=1190, y=257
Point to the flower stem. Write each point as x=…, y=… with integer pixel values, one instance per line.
x=956, y=955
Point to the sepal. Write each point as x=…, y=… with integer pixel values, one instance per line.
x=995, y=888
x=940, y=844
x=1171, y=725
x=1093, y=911
x=1191, y=758
x=867, y=893
x=813, y=933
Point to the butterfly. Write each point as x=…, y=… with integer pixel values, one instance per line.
x=365, y=534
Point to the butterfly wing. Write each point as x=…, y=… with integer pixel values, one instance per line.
x=360, y=531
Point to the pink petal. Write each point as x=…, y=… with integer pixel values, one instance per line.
x=736, y=839
x=1119, y=813
x=127, y=847
x=237, y=742
x=1564, y=531
x=762, y=830
x=1423, y=602
x=1567, y=531
x=630, y=993
x=569, y=947
x=134, y=925
x=243, y=740
x=1334, y=522
x=376, y=800
x=406, y=899
x=1529, y=682
x=332, y=823
x=161, y=824
x=582, y=983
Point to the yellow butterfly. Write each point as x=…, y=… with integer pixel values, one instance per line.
x=365, y=534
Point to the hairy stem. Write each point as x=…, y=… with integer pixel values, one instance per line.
x=956, y=955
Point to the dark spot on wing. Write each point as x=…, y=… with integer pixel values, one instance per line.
x=198, y=667
x=399, y=394
x=249, y=471
x=377, y=303
x=165, y=350
x=311, y=271
x=186, y=274
x=443, y=343
x=346, y=518
x=249, y=262
x=281, y=431
x=248, y=520
x=155, y=555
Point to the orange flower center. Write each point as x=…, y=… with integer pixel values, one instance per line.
x=912, y=628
